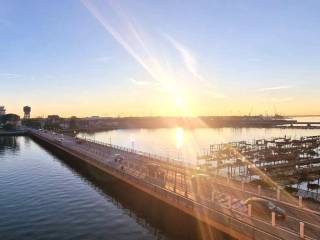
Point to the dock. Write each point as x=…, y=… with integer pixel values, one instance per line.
x=279, y=158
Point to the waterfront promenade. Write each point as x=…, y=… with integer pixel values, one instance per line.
x=224, y=209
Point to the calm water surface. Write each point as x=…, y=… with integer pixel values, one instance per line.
x=42, y=198
x=185, y=144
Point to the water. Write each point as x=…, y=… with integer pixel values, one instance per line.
x=48, y=196
x=308, y=119
x=185, y=144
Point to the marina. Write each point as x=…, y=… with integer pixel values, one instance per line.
x=278, y=158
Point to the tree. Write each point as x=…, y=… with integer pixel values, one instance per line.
x=73, y=123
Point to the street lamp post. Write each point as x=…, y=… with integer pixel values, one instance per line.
x=132, y=144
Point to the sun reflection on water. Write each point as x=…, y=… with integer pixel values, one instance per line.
x=179, y=138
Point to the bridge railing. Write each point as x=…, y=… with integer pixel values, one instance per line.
x=144, y=154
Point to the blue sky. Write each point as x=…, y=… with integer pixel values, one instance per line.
x=163, y=57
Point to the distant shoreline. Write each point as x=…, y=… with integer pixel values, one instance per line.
x=317, y=115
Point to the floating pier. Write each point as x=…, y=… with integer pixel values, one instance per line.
x=278, y=158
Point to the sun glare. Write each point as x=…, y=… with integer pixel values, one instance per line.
x=179, y=101
x=179, y=138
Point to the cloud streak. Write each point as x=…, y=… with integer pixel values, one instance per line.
x=276, y=88
x=192, y=67
x=10, y=75
x=216, y=95
x=286, y=99
x=121, y=38
x=140, y=83
x=187, y=57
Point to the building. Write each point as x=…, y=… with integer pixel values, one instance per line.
x=27, y=111
x=54, y=119
x=54, y=122
x=2, y=111
x=10, y=121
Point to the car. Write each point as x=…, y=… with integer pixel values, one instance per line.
x=58, y=140
x=79, y=141
x=263, y=207
x=118, y=158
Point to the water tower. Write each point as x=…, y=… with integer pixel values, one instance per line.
x=27, y=111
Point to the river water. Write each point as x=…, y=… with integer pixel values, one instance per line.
x=186, y=144
x=48, y=196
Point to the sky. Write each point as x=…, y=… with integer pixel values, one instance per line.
x=168, y=57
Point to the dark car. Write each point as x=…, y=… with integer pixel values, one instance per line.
x=118, y=158
x=264, y=208
x=79, y=141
